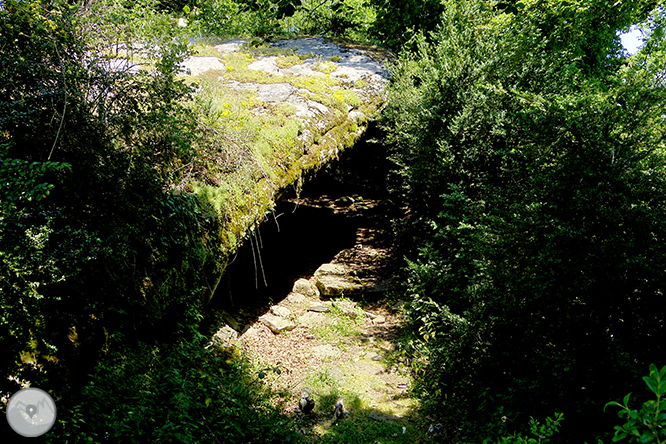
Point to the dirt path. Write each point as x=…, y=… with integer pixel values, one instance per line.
x=347, y=352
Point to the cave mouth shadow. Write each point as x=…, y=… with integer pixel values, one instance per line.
x=296, y=239
x=292, y=243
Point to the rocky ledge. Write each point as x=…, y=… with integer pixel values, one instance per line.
x=330, y=88
x=283, y=110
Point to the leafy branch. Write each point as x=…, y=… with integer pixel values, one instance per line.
x=647, y=424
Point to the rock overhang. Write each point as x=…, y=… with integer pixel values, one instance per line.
x=323, y=92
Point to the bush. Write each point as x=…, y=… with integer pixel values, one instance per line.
x=535, y=231
x=176, y=392
x=649, y=423
x=349, y=19
x=94, y=243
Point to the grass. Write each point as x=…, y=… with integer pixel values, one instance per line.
x=368, y=420
x=325, y=67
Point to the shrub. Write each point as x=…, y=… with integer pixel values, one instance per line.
x=649, y=423
x=534, y=232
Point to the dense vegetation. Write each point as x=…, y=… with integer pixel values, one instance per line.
x=529, y=155
x=105, y=267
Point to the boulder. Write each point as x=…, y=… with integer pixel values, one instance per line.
x=331, y=269
x=225, y=338
x=280, y=311
x=230, y=320
x=295, y=298
x=305, y=287
x=379, y=320
x=310, y=319
x=334, y=280
x=276, y=323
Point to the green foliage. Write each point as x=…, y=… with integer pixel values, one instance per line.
x=397, y=22
x=235, y=18
x=540, y=433
x=178, y=392
x=91, y=233
x=649, y=423
x=349, y=19
x=529, y=156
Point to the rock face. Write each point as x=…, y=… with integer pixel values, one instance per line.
x=277, y=324
x=311, y=319
x=296, y=104
x=334, y=280
x=333, y=89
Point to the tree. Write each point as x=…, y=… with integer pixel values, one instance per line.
x=91, y=233
x=530, y=156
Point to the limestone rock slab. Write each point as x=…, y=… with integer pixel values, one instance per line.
x=348, y=308
x=283, y=312
x=305, y=287
x=295, y=298
x=198, y=65
x=334, y=280
x=276, y=323
x=225, y=337
x=319, y=307
x=311, y=319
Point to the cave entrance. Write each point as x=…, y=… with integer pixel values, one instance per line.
x=343, y=207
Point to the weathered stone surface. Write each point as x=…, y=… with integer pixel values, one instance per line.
x=348, y=308
x=319, y=307
x=331, y=92
x=311, y=319
x=351, y=64
x=230, y=46
x=304, y=286
x=334, y=280
x=280, y=311
x=225, y=338
x=267, y=65
x=198, y=65
x=276, y=92
x=330, y=269
x=326, y=351
x=272, y=92
x=250, y=332
x=276, y=323
x=338, y=285
x=295, y=298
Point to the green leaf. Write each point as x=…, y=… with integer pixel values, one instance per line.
x=652, y=384
x=626, y=399
x=645, y=438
